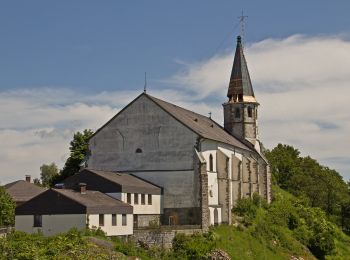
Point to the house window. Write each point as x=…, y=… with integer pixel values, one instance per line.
x=143, y=199
x=138, y=150
x=237, y=113
x=211, y=163
x=149, y=199
x=250, y=112
x=124, y=223
x=128, y=198
x=136, y=198
x=114, y=219
x=38, y=221
x=101, y=220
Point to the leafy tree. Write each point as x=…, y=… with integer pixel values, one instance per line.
x=284, y=161
x=78, y=151
x=47, y=173
x=306, y=178
x=7, y=208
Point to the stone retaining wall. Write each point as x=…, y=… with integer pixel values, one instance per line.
x=162, y=237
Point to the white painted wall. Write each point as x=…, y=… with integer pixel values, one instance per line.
x=211, y=211
x=51, y=224
x=118, y=230
x=155, y=208
x=213, y=192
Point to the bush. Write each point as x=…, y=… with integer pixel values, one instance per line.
x=193, y=247
x=248, y=208
x=7, y=209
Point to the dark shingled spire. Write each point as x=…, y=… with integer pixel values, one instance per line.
x=240, y=84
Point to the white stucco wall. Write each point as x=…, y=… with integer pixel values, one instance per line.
x=155, y=208
x=51, y=224
x=211, y=211
x=118, y=230
x=213, y=191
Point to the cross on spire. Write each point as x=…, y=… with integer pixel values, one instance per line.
x=242, y=23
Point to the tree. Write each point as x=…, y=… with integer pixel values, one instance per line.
x=79, y=148
x=7, y=209
x=306, y=178
x=48, y=172
x=285, y=162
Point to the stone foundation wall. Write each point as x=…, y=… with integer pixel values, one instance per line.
x=161, y=237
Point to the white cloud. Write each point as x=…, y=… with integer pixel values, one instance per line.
x=301, y=82
x=303, y=85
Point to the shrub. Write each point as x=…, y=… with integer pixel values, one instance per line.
x=196, y=246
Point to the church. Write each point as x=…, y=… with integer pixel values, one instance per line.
x=201, y=167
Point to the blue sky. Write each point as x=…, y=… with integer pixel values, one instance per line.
x=70, y=65
x=94, y=45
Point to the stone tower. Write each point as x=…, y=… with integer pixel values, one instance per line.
x=241, y=109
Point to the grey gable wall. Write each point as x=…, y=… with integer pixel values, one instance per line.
x=167, y=157
x=166, y=144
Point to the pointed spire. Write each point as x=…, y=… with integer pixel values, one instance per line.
x=240, y=84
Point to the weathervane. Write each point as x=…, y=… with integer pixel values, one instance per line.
x=242, y=23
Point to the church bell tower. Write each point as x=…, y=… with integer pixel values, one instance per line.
x=241, y=109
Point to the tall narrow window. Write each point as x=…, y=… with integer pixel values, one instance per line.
x=101, y=220
x=237, y=113
x=114, y=219
x=211, y=163
x=38, y=221
x=149, y=199
x=124, y=223
x=143, y=199
x=136, y=198
x=128, y=198
x=250, y=112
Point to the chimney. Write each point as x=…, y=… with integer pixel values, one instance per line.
x=82, y=187
x=28, y=178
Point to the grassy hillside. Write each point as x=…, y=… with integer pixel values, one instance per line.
x=286, y=229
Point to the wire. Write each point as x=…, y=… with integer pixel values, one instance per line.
x=225, y=39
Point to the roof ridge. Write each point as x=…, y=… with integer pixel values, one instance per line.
x=177, y=106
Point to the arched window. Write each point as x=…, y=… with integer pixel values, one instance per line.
x=211, y=163
x=138, y=150
x=237, y=113
x=250, y=112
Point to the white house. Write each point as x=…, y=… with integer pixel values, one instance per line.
x=145, y=197
x=58, y=210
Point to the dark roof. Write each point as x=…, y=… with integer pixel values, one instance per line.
x=97, y=202
x=202, y=125
x=109, y=182
x=240, y=82
x=21, y=191
x=63, y=201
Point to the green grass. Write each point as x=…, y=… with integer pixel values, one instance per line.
x=243, y=245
